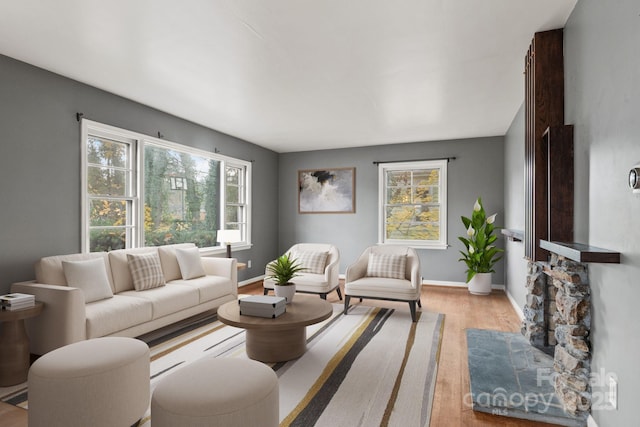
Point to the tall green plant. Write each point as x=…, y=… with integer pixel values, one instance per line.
x=481, y=255
x=283, y=269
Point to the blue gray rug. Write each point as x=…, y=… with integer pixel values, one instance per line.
x=509, y=377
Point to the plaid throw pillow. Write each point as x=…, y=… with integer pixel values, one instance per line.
x=313, y=262
x=386, y=265
x=146, y=271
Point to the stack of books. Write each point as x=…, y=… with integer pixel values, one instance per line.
x=17, y=301
x=262, y=306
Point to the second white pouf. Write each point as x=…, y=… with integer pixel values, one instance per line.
x=217, y=392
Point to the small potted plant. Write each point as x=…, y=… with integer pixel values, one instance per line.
x=481, y=255
x=282, y=270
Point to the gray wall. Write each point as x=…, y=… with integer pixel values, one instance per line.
x=40, y=165
x=477, y=171
x=602, y=101
x=515, y=264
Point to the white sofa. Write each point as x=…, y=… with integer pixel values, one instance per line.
x=67, y=318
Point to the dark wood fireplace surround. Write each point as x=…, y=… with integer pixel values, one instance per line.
x=557, y=310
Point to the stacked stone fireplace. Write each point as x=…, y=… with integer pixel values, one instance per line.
x=557, y=320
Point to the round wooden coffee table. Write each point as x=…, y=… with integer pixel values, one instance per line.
x=14, y=345
x=280, y=339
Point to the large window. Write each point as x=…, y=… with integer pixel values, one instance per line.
x=413, y=203
x=143, y=191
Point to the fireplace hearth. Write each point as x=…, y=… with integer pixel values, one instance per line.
x=557, y=317
x=558, y=321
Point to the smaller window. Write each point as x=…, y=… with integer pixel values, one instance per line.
x=413, y=203
x=235, y=210
x=109, y=197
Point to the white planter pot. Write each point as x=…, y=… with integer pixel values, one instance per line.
x=287, y=292
x=480, y=284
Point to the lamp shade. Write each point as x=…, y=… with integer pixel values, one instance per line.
x=228, y=236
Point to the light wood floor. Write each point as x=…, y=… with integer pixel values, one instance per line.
x=461, y=311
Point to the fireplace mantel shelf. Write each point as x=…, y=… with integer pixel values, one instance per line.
x=513, y=235
x=580, y=252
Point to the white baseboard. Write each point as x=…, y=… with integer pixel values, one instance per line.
x=454, y=284
x=424, y=282
x=250, y=281
x=515, y=306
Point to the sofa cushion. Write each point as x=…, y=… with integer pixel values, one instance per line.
x=115, y=314
x=146, y=271
x=385, y=288
x=190, y=263
x=209, y=287
x=313, y=261
x=90, y=276
x=307, y=282
x=387, y=265
x=168, y=299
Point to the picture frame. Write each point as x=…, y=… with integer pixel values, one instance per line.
x=329, y=190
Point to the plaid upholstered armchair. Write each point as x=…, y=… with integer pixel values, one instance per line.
x=385, y=273
x=321, y=262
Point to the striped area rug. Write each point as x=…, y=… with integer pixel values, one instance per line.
x=373, y=367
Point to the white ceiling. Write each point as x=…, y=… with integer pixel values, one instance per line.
x=296, y=75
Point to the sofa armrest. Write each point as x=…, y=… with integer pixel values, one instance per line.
x=332, y=271
x=63, y=317
x=225, y=267
x=416, y=279
x=357, y=270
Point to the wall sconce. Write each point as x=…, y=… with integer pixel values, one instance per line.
x=228, y=237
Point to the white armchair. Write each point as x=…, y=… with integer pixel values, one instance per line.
x=321, y=281
x=385, y=273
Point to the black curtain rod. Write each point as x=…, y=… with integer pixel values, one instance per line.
x=448, y=159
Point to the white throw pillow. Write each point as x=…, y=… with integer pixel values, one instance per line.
x=146, y=271
x=190, y=263
x=313, y=262
x=90, y=276
x=387, y=265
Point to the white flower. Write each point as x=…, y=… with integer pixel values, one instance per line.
x=476, y=206
x=491, y=219
x=470, y=231
x=471, y=250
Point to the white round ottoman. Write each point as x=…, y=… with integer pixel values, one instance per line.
x=98, y=382
x=223, y=392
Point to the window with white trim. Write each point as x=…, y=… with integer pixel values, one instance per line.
x=110, y=199
x=413, y=203
x=144, y=191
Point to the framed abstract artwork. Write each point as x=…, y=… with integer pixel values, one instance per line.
x=327, y=190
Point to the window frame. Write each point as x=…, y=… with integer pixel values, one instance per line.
x=383, y=169
x=244, y=195
x=89, y=128
x=138, y=142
